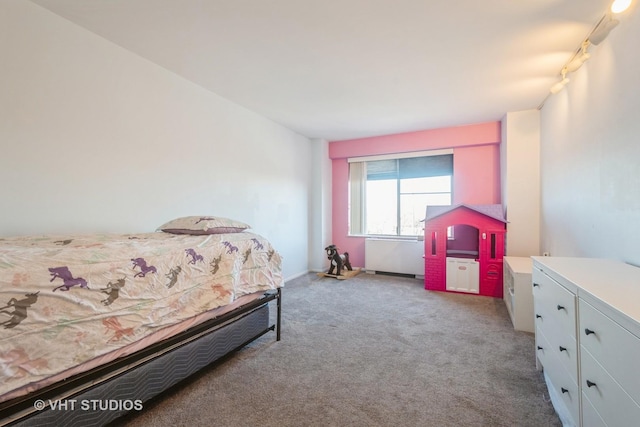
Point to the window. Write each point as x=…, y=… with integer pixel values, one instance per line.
x=389, y=196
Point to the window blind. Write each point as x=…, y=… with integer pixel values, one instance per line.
x=411, y=167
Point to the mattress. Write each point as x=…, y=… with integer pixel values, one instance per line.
x=69, y=302
x=134, y=387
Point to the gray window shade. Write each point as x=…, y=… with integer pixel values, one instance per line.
x=382, y=169
x=412, y=167
x=420, y=167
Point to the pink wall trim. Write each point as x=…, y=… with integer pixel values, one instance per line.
x=476, y=154
x=432, y=139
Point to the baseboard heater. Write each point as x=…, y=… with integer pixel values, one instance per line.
x=394, y=256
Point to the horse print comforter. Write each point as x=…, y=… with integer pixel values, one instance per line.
x=65, y=300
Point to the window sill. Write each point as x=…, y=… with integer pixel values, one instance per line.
x=387, y=237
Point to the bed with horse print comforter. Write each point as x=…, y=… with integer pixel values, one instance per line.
x=67, y=302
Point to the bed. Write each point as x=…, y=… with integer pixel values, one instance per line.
x=92, y=326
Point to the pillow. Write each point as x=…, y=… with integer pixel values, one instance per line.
x=203, y=225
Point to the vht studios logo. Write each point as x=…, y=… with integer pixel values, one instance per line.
x=89, y=405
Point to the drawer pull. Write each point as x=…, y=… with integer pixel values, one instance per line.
x=540, y=348
x=564, y=390
x=560, y=307
x=563, y=348
x=536, y=285
x=591, y=384
x=588, y=331
x=538, y=316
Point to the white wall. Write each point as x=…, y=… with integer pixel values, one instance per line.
x=591, y=154
x=320, y=206
x=520, y=179
x=95, y=138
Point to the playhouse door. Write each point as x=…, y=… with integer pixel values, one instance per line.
x=491, y=263
x=462, y=275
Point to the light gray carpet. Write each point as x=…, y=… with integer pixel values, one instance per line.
x=372, y=350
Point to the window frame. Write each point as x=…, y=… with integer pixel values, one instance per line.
x=357, y=192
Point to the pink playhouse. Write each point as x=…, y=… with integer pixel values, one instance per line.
x=463, y=249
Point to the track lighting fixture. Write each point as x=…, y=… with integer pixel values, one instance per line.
x=561, y=84
x=579, y=58
x=595, y=37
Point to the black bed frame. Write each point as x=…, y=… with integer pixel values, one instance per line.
x=105, y=393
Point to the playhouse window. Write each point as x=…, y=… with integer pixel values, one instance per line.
x=493, y=245
x=389, y=196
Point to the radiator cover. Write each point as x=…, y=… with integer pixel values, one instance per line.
x=394, y=256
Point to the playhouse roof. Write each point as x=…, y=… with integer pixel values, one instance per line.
x=492, y=211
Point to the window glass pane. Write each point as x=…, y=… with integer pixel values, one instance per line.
x=397, y=193
x=434, y=184
x=413, y=208
x=416, y=195
x=437, y=200
x=381, y=207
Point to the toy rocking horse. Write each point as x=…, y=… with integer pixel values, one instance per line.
x=338, y=262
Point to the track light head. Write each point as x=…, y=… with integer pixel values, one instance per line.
x=579, y=58
x=561, y=84
x=608, y=23
x=602, y=31
x=619, y=6
x=558, y=86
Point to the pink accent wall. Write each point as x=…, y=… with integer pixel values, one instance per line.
x=476, y=170
x=476, y=174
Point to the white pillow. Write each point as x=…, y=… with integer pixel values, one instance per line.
x=203, y=225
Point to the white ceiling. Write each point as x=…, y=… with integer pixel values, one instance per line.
x=341, y=69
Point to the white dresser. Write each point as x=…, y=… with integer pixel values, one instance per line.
x=587, y=319
x=517, y=293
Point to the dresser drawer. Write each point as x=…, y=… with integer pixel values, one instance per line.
x=543, y=348
x=607, y=397
x=590, y=417
x=615, y=348
x=563, y=346
x=556, y=304
x=565, y=387
x=566, y=350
